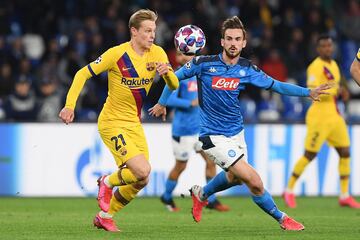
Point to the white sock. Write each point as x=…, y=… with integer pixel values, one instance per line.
x=344, y=195
x=103, y=214
x=288, y=190
x=107, y=182
x=282, y=218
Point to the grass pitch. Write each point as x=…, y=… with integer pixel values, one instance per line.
x=146, y=218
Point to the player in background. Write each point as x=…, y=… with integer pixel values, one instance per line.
x=131, y=69
x=185, y=130
x=221, y=79
x=355, y=68
x=324, y=123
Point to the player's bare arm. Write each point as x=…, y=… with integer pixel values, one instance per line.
x=316, y=92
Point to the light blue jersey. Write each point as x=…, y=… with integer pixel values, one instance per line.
x=219, y=88
x=186, y=118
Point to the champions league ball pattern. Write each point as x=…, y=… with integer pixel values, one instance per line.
x=189, y=39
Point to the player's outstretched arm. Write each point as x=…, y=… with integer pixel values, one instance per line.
x=168, y=75
x=159, y=109
x=320, y=90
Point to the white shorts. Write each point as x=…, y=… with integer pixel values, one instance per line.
x=184, y=146
x=225, y=151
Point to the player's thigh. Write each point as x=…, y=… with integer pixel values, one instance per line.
x=123, y=144
x=137, y=135
x=316, y=134
x=339, y=136
x=183, y=146
x=224, y=151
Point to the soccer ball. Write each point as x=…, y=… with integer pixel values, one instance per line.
x=189, y=39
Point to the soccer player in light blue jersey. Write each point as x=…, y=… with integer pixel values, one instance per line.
x=185, y=135
x=221, y=79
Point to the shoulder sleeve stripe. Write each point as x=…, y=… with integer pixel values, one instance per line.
x=91, y=71
x=270, y=85
x=210, y=58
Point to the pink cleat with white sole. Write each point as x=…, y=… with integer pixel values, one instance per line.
x=104, y=194
x=290, y=224
x=108, y=224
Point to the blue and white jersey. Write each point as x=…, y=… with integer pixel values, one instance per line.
x=219, y=88
x=186, y=119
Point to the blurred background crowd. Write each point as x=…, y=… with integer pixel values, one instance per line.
x=44, y=42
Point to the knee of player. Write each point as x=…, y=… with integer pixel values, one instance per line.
x=143, y=173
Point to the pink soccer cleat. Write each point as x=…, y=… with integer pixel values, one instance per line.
x=349, y=202
x=289, y=199
x=290, y=224
x=104, y=194
x=197, y=203
x=108, y=224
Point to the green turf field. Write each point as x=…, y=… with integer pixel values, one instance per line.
x=146, y=218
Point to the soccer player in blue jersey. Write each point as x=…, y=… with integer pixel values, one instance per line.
x=221, y=79
x=185, y=130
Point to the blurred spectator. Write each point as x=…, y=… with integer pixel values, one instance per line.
x=6, y=80
x=56, y=38
x=49, y=101
x=21, y=104
x=274, y=66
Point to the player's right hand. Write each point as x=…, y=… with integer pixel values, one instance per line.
x=320, y=90
x=158, y=110
x=67, y=115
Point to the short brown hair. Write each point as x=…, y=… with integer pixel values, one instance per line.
x=232, y=23
x=140, y=16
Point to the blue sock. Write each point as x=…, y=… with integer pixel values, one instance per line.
x=217, y=184
x=169, y=188
x=266, y=203
x=211, y=198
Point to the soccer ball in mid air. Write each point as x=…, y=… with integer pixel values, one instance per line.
x=189, y=39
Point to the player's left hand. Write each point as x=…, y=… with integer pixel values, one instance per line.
x=158, y=110
x=162, y=68
x=320, y=90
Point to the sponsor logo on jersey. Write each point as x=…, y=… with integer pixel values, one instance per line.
x=212, y=70
x=188, y=65
x=223, y=83
x=192, y=86
x=150, y=66
x=133, y=82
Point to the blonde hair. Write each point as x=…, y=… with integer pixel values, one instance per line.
x=140, y=16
